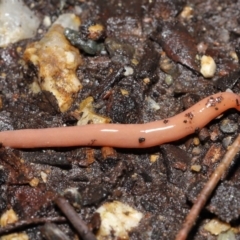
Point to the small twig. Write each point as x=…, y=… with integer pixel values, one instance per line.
x=208, y=189
x=10, y=228
x=75, y=219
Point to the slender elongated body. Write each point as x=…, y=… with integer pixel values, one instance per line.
x=126, y=135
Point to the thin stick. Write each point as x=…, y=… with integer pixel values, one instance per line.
x=20, y=225
x=75, y=219
x=208, y=189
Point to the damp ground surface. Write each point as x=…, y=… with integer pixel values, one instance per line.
x=148, y=69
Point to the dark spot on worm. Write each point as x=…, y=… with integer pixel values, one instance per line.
x=141, y=139
x=216, y=108
x=165, y=121
x=237, y=102
x=185, y=121
x=197, y=130
x=189, y=115
x=92, y=142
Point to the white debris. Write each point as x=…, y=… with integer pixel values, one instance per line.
x=128, y=71
x=208, y=66
x=152, y=104
x=69, y=20
x=56, y=60
x=117, y=220
x=47, y=21
x=17, y=22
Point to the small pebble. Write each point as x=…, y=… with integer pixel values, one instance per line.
x=168, y=66
x=204, y=135
x=196, y=168
x=44, y=176
x=208, y=66
x=168, y=79
x=34, y=182
x=202, y=47
x=224, y=35
x=227, y=141
x=196, y=141
x=229, y=235
x=154, y=158
x=215, y=133
x=152, y=104
x=74, y=197
x=128, y=71
x=234, y=56
x=196, y=151
x=47, y=21
x=228, y=126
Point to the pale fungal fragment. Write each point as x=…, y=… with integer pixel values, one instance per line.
x=196, y=168
x=154, y=158
x=187, y=13
x=124, y=92
x=17, y=22
x=117, y=220
x=34, y=182
x=86, y=111
x=15, y=236
x=9, y=217
x=95, y=31
x=57, y=62
x=208, y=66
x=34, y=87
x=215, y=226
x=44, y=176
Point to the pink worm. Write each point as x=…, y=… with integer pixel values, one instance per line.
x=126, y=135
